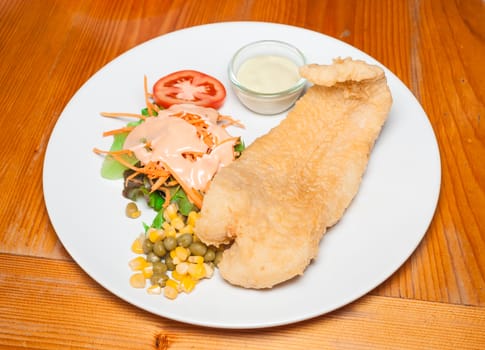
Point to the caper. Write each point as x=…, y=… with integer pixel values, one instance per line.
x=169, y=262
x=170, y=243
x=159, y=248
x=147, y=246
x=152, y=257
x=159, y=268
x=198, y=248
x=185, y=240
x=210, y=255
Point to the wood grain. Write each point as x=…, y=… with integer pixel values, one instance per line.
x=48, y=49
x=72, y=311
x=448, y=265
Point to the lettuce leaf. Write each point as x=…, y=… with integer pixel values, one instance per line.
x=111, y=169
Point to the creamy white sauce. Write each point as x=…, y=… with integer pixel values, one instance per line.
x=169, y=136
x=268, y=74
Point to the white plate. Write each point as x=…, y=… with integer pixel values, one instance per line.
x=380, y=230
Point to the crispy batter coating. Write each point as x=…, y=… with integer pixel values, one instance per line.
x=277, y=200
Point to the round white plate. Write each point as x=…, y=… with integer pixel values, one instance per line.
x=379, y=231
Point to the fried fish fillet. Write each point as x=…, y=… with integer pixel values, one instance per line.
x=276, y=201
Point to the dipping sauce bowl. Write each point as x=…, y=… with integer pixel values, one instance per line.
x=264, y=76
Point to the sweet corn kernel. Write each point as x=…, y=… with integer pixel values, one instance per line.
x=154, y=289
x=155, y=235
x=138, y=263
x=137, y=245
x=209, y=270
x=197, y=271
x=192, y=218
x=148, y=271
x=172, y=283
x=177, y=223
x=182, y=253
x=177, y=276
x=187, y=229
x=195, y=259
x=170, y=232
x=137, y=280
x=170, y=292
x=182, y=268
x=170, y=212
x=188, y=284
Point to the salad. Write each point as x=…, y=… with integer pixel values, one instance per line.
x=167, y=157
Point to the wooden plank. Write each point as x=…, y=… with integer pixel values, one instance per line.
x=30, y=50
x=52, y=304
x=446, y=78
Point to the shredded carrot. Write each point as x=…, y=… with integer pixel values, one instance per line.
x=118, y=131
x=228, y=140
x=120, y=115
x=172, y=183
x=149, y=105
x=196, y=121
x=188, y=116
x=153, y=170
x=207, y=138
x=193, y=154
x=121, y=151
x=155, y=107
x=158, y=184
x=230, y=121
x=168, y=196
x=131, y=177
x=200, y=126
x=194, y=196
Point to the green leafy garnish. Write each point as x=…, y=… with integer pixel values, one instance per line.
x=240, y=146
x=144, y=112
x=158, y=220
x=111, y=169
x=185, y=206
x=155, y=200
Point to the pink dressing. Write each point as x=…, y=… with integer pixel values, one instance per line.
x=169, y=136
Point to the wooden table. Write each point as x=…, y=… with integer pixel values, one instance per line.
x=49, y=48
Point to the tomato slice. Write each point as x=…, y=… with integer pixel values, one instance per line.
x=189, y=86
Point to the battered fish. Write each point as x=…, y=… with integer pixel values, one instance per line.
x=277, y=200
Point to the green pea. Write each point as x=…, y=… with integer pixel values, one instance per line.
x=185, y=240
x=210, y=255
x=170, y=243
x=152, y=257
x=159, y=248
x=159, y=268
x=169, y=262
x=159, y=278
x=218, y=257
x=147, y=246
x=198, y=248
